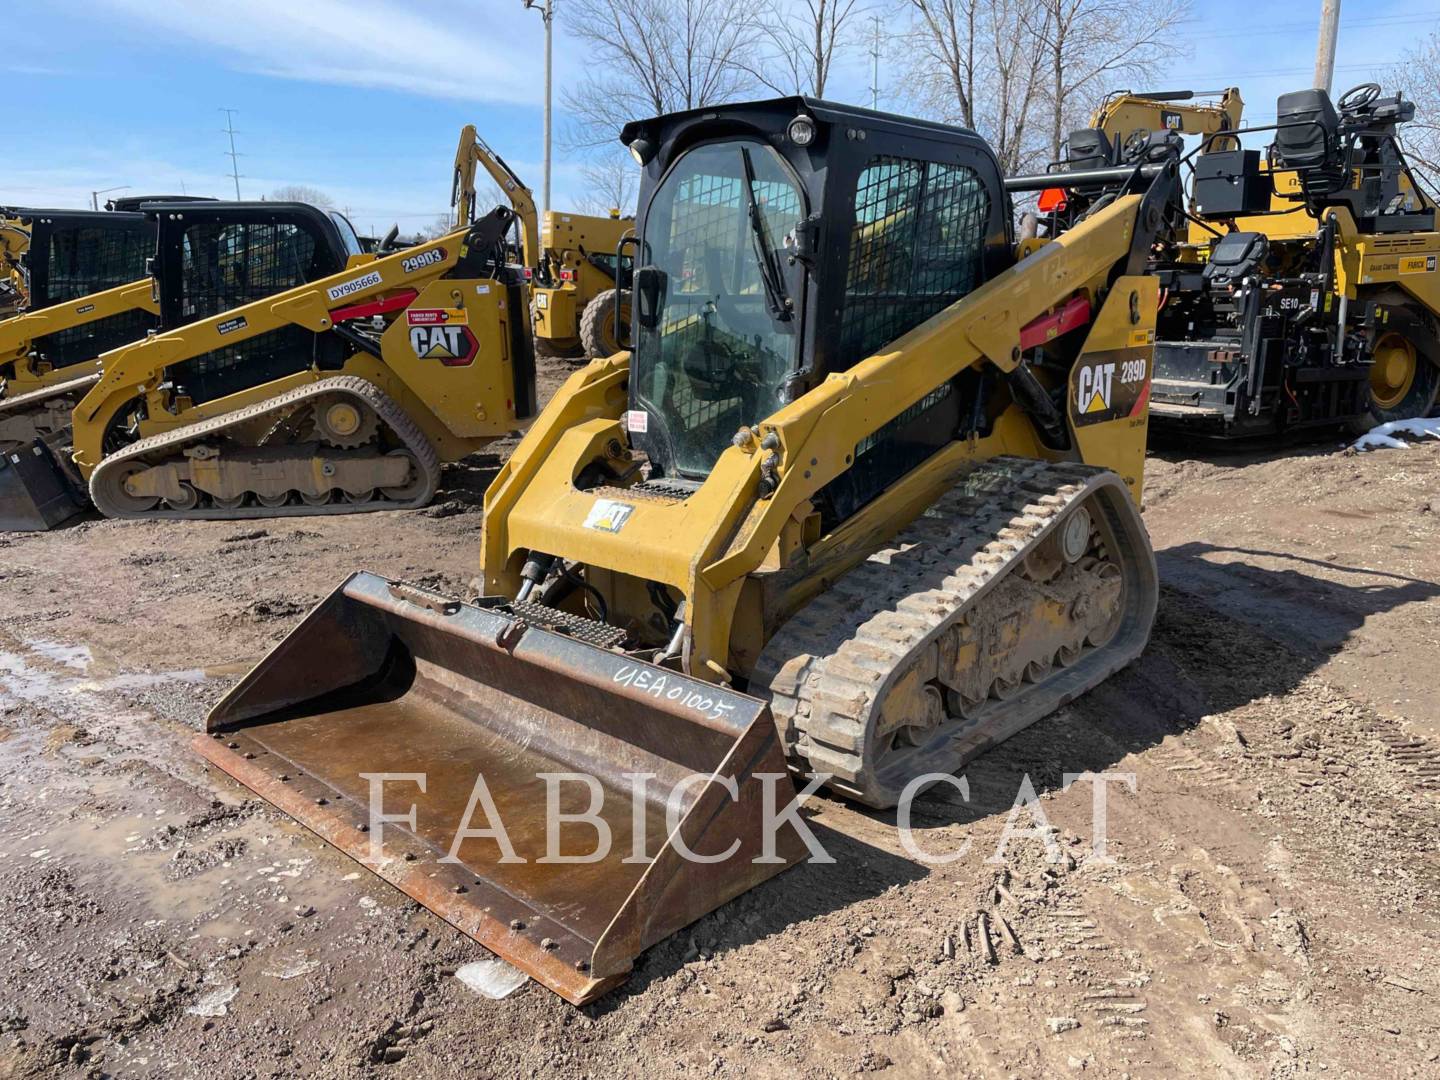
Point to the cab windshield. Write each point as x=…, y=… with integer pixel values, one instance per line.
x=725, y=331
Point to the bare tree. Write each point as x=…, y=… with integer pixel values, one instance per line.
x=442, y=224
x=1089, y=44
x=1418, y=76
x=612, y=181
x=804, y=37
x=1023, y=72
x=303, y=193
x=973, y=62
x=947, y=40
x=656, y=56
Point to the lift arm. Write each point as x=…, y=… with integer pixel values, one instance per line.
x=17, y=334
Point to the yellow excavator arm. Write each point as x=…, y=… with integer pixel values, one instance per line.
x=1125, y=112
x=473, y=151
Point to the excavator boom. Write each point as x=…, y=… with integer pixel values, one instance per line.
x=473, y=152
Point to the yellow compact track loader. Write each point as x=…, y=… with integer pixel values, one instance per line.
x=83, y=277
x=339, y=395
x=860, y=502
x=579, y=277
x=202, y=257
x=86, y=292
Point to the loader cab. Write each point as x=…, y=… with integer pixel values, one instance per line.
x=213, y=257
x=74, y=253
x=784, y=240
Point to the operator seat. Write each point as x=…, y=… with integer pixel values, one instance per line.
x=1308, y=141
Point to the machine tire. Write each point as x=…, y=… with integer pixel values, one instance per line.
x=597, y=325
x=1416, y=395
x=547, y=348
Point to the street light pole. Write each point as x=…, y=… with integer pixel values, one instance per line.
x=547, y=12
x=95, y=195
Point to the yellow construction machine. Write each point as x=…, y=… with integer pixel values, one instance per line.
x=860, y=501
x=1128, y=127
x=579, y=277
x=1305, y=295
x=201, y=257
x=14, y=242
x=1309, y=296
x=1128, y=118
x=86, y=291
x=342, y=394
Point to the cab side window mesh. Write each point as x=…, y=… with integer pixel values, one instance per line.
x=88, y=260
x=81, y=261
x=918, y=246
x=228, y=265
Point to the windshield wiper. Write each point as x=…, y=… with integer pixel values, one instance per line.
x=781, y=306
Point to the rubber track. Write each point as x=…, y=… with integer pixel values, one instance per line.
x=388, y=411
x=49, y=393
x=828, y=668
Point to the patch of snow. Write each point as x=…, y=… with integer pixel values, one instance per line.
x=1398, y=434
x=494, y=978
x=214, y=1003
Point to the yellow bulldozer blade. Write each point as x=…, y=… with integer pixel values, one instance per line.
x=468, y=719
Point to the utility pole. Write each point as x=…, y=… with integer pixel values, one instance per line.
x=547, y=12
x=1325, y=52
x=876, y=22
x=234, y=157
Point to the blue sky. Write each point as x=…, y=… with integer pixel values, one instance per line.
x=364, y=98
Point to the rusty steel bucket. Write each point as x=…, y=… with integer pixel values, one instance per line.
x=383, y=678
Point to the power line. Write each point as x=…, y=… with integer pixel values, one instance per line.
x=1377, y=22
x=234, y=157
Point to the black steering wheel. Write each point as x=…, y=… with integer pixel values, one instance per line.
x=1135, y=143
x=1357, y=97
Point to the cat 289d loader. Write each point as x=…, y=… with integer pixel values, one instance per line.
x=860, y=501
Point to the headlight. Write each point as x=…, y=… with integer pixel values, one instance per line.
x=642, y=150
x=801, y=131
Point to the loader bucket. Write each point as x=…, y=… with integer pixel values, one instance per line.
x=35, y=494
x=382, y=678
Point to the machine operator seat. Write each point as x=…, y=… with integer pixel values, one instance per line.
x=1308, y=141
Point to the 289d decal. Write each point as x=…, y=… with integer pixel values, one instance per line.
x=1110, y=386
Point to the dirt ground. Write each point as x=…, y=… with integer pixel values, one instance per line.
x=1269, y=910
